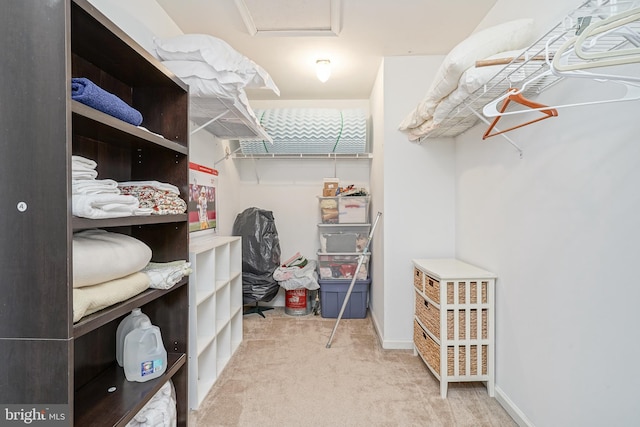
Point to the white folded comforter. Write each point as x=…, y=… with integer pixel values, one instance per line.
x=94, y=298
x=100, y=256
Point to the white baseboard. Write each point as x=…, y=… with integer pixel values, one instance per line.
x=518, y=416
x=387, y=344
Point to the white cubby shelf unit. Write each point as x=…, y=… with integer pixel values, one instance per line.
x=215, y=310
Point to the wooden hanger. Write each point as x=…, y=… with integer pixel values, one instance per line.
x=515, y=95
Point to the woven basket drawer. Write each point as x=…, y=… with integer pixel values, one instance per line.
x=432, y=289
x=430, y=351
x=473, y=369
x=427, y=347
x=418, y=280
x=428, y=314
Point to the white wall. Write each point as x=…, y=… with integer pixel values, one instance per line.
x=143, y=20
x=290, y=188
x=560, y=229
x=419, y=189
x=376, y=266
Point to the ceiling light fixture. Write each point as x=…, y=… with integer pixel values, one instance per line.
x=323, y=69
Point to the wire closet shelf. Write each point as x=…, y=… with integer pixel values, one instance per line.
x=533, y=65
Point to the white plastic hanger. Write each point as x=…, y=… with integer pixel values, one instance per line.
x=632, y=94
x=614, y=25
x=602, y=59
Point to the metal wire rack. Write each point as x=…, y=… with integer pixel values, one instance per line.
x=532, y=66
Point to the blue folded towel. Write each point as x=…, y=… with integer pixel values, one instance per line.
x=87, y=92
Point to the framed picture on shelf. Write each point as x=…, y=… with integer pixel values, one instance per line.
x=203, y=181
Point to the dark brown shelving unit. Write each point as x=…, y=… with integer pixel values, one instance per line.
x=47, y=358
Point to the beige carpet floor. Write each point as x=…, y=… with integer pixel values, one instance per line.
x=283, y=375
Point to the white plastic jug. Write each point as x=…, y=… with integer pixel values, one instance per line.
x=127, y=325
x=144, y=355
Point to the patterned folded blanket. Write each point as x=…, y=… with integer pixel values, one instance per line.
x=161, y=198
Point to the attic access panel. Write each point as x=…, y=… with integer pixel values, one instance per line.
x=290, y=17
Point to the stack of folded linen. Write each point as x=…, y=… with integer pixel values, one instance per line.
x=97, y=199
x=213, y=69
x=156, y=197
x=106, y=270
x=211, y=66
x=160, y=411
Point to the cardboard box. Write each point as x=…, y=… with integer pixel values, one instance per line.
x=331, y=185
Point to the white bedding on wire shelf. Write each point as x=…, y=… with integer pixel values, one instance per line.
x=504, y=37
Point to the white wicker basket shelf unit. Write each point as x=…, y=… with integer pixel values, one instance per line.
x=454, y=321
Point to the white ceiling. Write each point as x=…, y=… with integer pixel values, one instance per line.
x=367, y=30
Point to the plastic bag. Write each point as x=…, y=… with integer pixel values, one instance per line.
x=260, y=254
x=298, y=278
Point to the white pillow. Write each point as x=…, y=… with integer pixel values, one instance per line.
x=476, y=77
x=202, y=47
x=202, y=70
x=204, y=56
x=205, y=81
x=511, y=35
x=508, y=36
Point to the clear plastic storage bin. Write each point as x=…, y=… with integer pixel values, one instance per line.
x=342, y=266
x=344, y=209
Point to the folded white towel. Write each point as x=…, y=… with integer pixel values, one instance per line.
x=155, y=184
x=143, y=211
x=79, y=162
x=94, y=186
x=86, y=174
x=164, y=275
x=98, y=206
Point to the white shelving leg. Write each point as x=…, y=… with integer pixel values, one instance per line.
x=208, y=122
x=443, y=386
